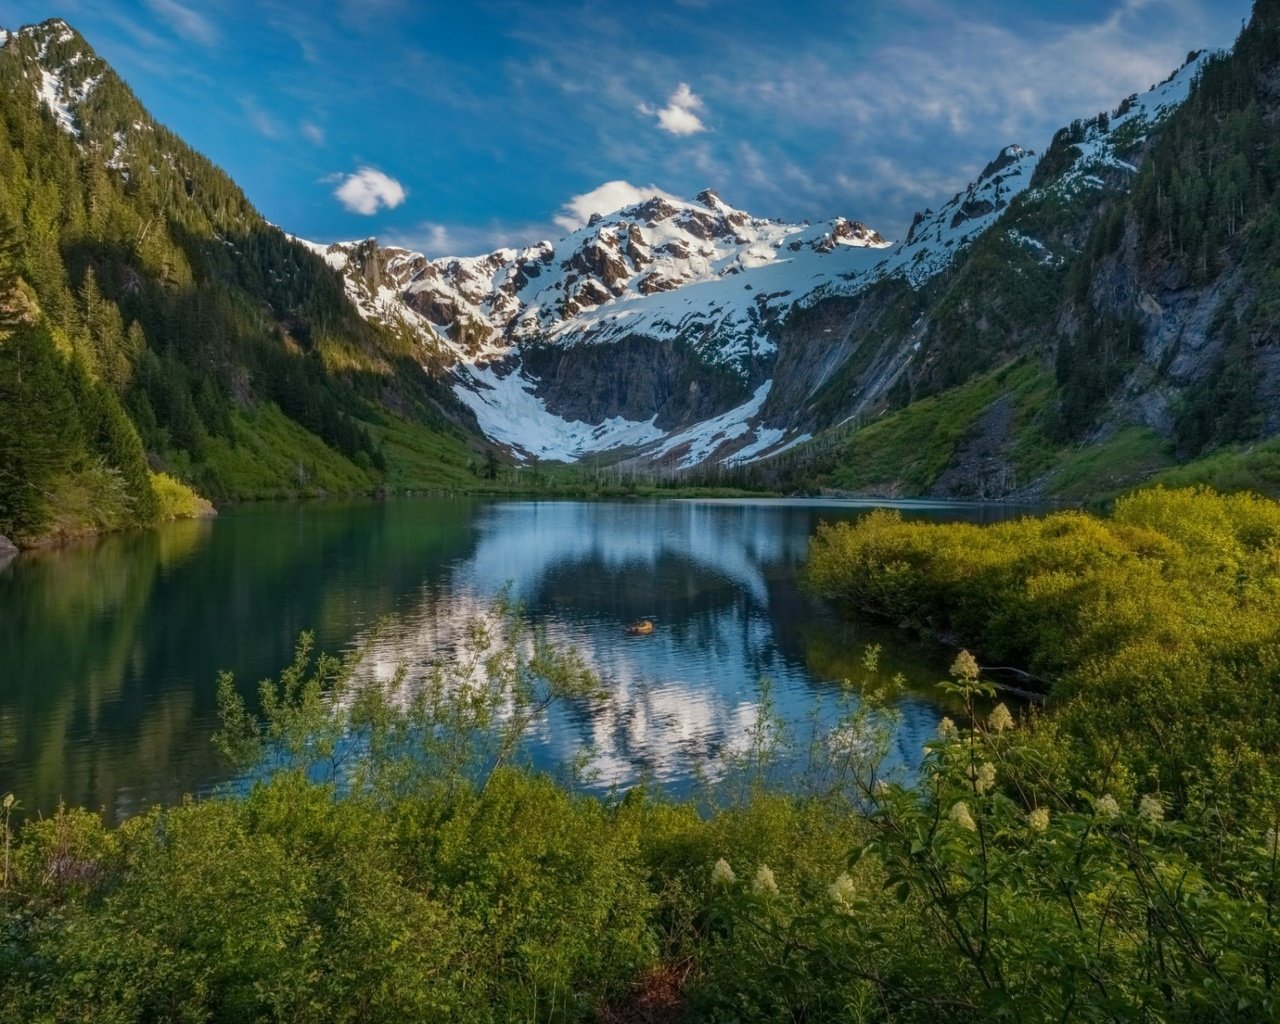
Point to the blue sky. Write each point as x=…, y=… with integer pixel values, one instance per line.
x=456, y=127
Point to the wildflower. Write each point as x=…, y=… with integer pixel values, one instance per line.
x=1150, y=809
x=984, y=777
x=1038, y=819
x=965, y=667
x=842, y=891
x=961, y=816
x=764, y=882
x=1106, y=807
x=722, y=874
x=1000, y=719
x=947, y=729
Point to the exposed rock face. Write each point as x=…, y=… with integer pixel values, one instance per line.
x=838, y=353
x=637, y=379
x=916, y=222
x=1006, y=157
x=847, y=232
x=651, y=283
x=371, y=262
x=982, y=465
x=970, y=209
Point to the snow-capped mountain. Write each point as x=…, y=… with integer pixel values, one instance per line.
x=607, y=279
x=652, y=332
x=704, y=283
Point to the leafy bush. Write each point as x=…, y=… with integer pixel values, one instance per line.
x=1157, y=627
x=177, y=500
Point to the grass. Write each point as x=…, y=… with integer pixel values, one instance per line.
x=1253, y=467
x=1130, y=456
x=906, y=451
x=274, y=457
x=421, y=459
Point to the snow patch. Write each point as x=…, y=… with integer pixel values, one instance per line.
x=51, y=94
x=509, y=412
x=704, y=438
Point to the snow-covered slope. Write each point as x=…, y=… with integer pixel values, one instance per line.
x=700, y=273
x=1101, y=144
x=66, y=76
x=706, y=284
x=660, y=268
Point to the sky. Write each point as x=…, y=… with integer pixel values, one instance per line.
x=455, y=128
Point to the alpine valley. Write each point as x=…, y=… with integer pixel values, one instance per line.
x=1081, y=318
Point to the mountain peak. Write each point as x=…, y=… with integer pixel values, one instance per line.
x=709, y=198
x=1009, y=155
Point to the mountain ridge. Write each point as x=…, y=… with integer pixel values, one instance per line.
x=209, y=346
x=510, y=351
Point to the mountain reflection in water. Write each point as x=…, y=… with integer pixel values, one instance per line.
x=109, y=653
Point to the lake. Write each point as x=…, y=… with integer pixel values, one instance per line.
x=110, y=651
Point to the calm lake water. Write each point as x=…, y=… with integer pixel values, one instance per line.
x=110, y=652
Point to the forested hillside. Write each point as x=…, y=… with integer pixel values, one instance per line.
x=1121, y=320
x=154, y=321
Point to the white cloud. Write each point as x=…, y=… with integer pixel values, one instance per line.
x=679, y=116
x=368, y=190
x=612, y=195
x=261, y=121
x=184, y=21
x=312, y=132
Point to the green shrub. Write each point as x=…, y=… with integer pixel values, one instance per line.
x=177, y=500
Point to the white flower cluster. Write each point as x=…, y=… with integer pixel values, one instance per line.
x=984, y=777
x=965, y=666
x=764, y=884
x=842, y=892
x=722, y=874
x=961, y=816
x=1000, y=719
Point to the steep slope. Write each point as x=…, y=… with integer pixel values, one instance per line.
x=1048, y=342
x=241, y=364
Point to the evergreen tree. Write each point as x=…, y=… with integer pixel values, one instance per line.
x=40, y=428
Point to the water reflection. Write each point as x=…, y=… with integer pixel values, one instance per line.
x=719, y=581
x=109, y=653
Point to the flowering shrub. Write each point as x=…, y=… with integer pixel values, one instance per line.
x=1075, y=908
